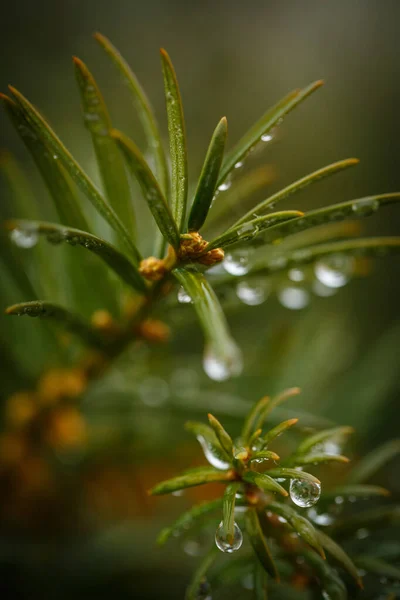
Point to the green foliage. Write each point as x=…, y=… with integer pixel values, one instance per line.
x=191, y=255
x=280, y=525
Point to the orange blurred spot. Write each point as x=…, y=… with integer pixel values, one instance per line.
x=61, y=383
x=20, y=408
x=66, y=428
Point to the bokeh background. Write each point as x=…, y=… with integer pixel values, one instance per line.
x=83, y=525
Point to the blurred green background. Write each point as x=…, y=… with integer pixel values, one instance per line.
x=90, y=531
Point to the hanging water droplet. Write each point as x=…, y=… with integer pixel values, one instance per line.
x=183, y=296
x=237, y=262
x=296, y=275
x=212, y=454
x=267, y=137
x=304, y=493
x=252, y=292
x=178, y=493
x=55, y=156
x=322, y=290
x=153, y=391
x=239, y=164
x=24, y=238
x=334, y=271
x=294, y=298
x=365, y=207
x=226, y=545
x=222, y=368
x=225, y=185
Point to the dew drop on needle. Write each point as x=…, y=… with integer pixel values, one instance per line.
x=226, y=545
x=304, y=493
x=24, y=238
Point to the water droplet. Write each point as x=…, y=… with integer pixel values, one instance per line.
x=326, y=596
x=24, y=238
x=153, y=391
x=334, y=271
x=239, y=165
x=260, y=461
x=296, y=275
x=362, y=533
x=247, y=231
x=294, y=298
x=267, y=137
x=240, y=452
x=365, y=207
x=304, y=493
x=192, y=548
x=322, y=290
x=282, y=519
x=339, y=500
x=55, y=156
x=226, y=545
x=252, y=292
x=320, y=518
x=225, y=185
x=212, y=454
x=257, y=445
x=237, y=262
x=183, y=296
x=178, y=493
x=331, y=447
x=222, y=368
